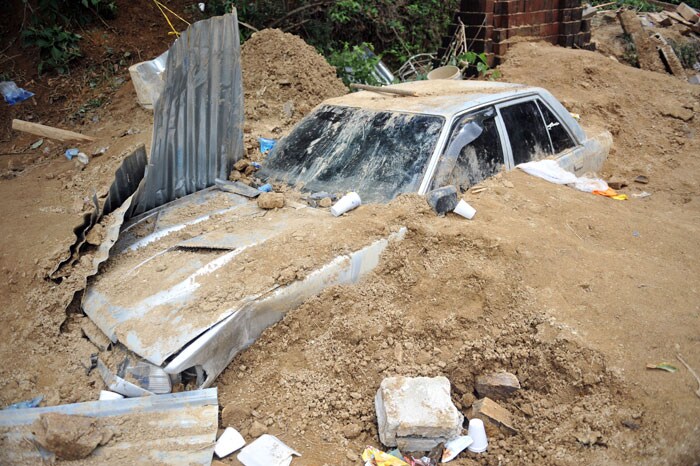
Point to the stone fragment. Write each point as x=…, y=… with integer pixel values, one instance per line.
x=497, y=385
x=352, y=431
x=495, y=417
x=325, y=202
x=443, y=200
x=233, y=415
x=69, y=437
x=271, y=200
x=241, y=165
x=416, y=413
x=257, y=429
x=616, y=182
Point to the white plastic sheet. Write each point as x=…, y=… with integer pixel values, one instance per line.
x=551, y=171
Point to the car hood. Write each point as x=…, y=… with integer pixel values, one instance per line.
x=179, y=273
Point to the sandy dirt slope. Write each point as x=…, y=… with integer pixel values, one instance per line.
x=572, y=292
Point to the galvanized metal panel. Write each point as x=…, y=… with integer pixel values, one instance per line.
x=198, y=118
x=178, y=428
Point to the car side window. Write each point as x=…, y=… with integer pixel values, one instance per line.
x=557, y=132
x=526, y=132
x=473, y=153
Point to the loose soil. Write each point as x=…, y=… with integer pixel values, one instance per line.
x=573, y=293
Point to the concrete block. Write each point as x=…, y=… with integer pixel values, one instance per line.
x=416, y=413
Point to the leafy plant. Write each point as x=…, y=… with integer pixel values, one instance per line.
x=355, y=64
x=480, y=62
x=57, y=46
x=688, y=53
x=630, y=54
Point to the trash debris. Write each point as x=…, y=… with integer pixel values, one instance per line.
x=497, y=385
x=642, y=179
x=477, y=433
x=692, y=372
x=496, y=416
x=230, y=441
x=266, y=145
x=346, y=203
x=37, y=144
x=664, y=366
x=118, y=384
x=69, y=437
x=237, y=187
x=407, y=410
x=147, y=78
x=442, y=200
x=267, y=450
x=266, y=188
x=551, y=171
x=268, y=200
x=465, y=210
x=641, y=195
x=455, y=446
x=149, y=377
x=70, y=153
x=107, y=395
x=12, y=93
x=83, y=158
x=100, y=151
x=49, y=132
x=375, y=457
x=33, y=403
x=184, y=424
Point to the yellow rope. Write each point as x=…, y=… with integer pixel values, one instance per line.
x=160, y=7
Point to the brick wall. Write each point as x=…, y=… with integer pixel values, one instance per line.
x=491, y=25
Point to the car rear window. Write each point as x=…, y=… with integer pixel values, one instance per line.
x=338, y=149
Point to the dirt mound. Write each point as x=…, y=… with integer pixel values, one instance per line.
x=284, y=77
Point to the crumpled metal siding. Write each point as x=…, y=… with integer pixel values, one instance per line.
x=198, y=119
x=178, y=429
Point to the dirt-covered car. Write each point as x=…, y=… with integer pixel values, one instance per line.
x=193, y=282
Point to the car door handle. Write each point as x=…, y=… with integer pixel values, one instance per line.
x=552, y=125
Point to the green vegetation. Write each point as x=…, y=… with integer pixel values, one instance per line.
x=50, y=29
x=355, y=64
x=638, y=5
x=479, y=62
x=630, y=55
x=688, y=53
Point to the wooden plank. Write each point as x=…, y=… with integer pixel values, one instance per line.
x=49, y=131
x=384, y=90
x=688, y=13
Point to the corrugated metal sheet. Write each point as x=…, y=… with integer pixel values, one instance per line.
x=198, y=119
x=178, y=429
x=126, y=179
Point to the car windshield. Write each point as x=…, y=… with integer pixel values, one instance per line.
x=378, y=154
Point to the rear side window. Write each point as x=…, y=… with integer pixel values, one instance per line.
x=558, y=134
x=526, y=131
x=473, y=153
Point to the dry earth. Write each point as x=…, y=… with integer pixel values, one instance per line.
x=572, y=292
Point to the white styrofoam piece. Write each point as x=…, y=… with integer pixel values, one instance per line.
x=230, y=441
x=455, y=446
x=107, y=395
x=267, y=450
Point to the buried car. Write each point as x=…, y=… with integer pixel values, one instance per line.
x=192, y=283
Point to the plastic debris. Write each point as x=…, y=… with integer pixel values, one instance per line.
x=267, y=450
x=256, y=165
x=266, y=145
x=33, y=403
x=83, y=158
x=455, y=446
x=266, y=188
x=375, y=457
x=230, y=441
x=664, y=366
x=70, y=153
x=477, y=433
x=551, y=171
x=346, y=203
x=641, y=195
x=37, y=144
x=12, y=93
x=107, y=395
x=100, y=151
x=465, y=210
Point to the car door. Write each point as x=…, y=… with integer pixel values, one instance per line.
x=474, y=150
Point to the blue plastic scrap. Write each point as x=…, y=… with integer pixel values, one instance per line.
x=70, y=153
x=266, y=145
x=266, y=188
x=33, y=403
x=12, y=93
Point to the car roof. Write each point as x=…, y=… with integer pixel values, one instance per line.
x=438, y=97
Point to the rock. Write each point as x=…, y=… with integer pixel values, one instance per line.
x=495, y=417
x=249, y=170
x=498, y=385
x=641, y=179
x=678, y=113
x=442, y=200
x=69, y=437
x=325, y=202
x=235, y=175
x=616, y=182
x=352, y=431
x=241, y=165
x=271, y=200
x=590, y=437
x=257, y=429
x=468, y=399
x=416, y=413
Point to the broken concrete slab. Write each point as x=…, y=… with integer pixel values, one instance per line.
x=497, y=385
x=649, y=58
x=688, y=13
x=660, y=19
x=670, y=59
x=416, y=413
x=495, y=417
